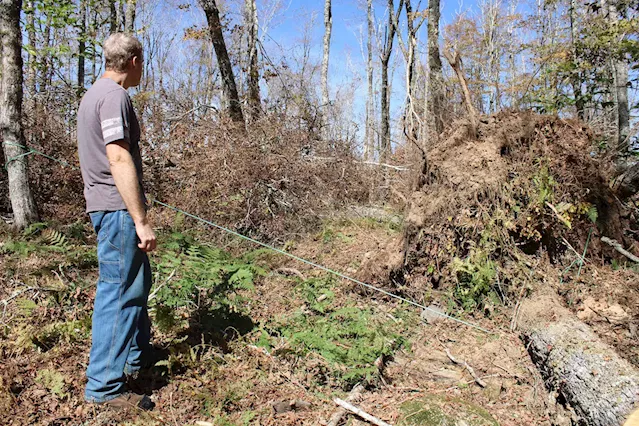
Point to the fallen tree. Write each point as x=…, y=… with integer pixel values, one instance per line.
x=594, y=382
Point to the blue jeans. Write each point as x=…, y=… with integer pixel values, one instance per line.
x=121, y=328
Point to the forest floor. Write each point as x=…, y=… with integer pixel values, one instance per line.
x=296, y=336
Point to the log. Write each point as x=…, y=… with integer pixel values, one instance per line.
x=599, y=386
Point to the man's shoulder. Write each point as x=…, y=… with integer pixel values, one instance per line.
x=105, y=88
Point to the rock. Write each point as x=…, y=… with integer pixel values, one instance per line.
x=290, y=405
x=447, y=375
x=437, y=410
x=432, y=315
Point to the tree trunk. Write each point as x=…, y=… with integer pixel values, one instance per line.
x=82, y=18
x=456, y=63
x=326, y=43
x=600, y=387
x=224, y=63
x=113, y=16
x=620, y=78
x=130, y=16
x=44, y=71
x=368, y=143
x=22, y=203
x=32, y=57
x=576, y=77
x=253, y=77
x=120, y=14
x=436, y=79
x=385, y=142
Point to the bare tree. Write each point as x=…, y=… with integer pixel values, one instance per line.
x=620, y=77
x=456, y=63
x=22, y=203
x=368, y=144
x=130, y=16
x=576, y=80
x=436, y=79
x=253, y=76
x=409, y=53
x=326, y=43
x=385, y=145
x=32, y=57
x=82, y=18
x=113, y=16
x=229, y=88
x=490, y=10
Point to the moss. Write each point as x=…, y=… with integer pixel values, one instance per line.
x=441, y=411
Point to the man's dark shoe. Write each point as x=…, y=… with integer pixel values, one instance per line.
x=130, y=400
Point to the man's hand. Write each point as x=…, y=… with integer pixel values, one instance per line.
x=146, y=235
x=124, y=174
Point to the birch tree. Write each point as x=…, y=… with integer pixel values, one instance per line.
x=22, y=202
x=326, y=44
x=368, y=145
x=253, y=76
x=620, y=76
x=435, y=79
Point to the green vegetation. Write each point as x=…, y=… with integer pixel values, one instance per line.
x=348, y=337
x=53, y=381
x=443, y=411
x=476, y=277
x=197, y=277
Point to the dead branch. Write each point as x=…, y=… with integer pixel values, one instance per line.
x=616, y=245
x=360, y=413
x=354, y=396
x=291, y=271
x=455, y=61
x=477, y=379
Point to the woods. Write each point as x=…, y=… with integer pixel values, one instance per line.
x=476, y=160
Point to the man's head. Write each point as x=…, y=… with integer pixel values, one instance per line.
x=123, y=55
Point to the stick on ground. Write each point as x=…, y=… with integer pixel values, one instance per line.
x=354, y=396
x=477, y=379
x=355, y=410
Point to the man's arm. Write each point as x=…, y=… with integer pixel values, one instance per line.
x=124, y=175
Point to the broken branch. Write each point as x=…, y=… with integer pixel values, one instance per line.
x=477, y=379
x=354, y=396
x=616, y=245
x=362, y=414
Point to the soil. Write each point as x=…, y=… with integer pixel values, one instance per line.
x=248, y=380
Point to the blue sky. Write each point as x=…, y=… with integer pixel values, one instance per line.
x=346, y=55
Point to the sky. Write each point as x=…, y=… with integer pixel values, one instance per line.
x=348, y=40
x=282, y=36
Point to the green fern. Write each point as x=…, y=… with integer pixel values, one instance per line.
x=54, y=239
x=204, y=276
x=34, y=229
x=592, y=213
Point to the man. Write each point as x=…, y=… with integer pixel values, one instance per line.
x=108, y=138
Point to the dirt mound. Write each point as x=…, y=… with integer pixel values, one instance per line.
x=528, y=184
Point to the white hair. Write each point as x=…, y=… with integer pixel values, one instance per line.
x=119, y=49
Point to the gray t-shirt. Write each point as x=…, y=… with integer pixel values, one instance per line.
x=105, y=115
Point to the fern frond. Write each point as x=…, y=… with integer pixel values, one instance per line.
x=54, y=238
